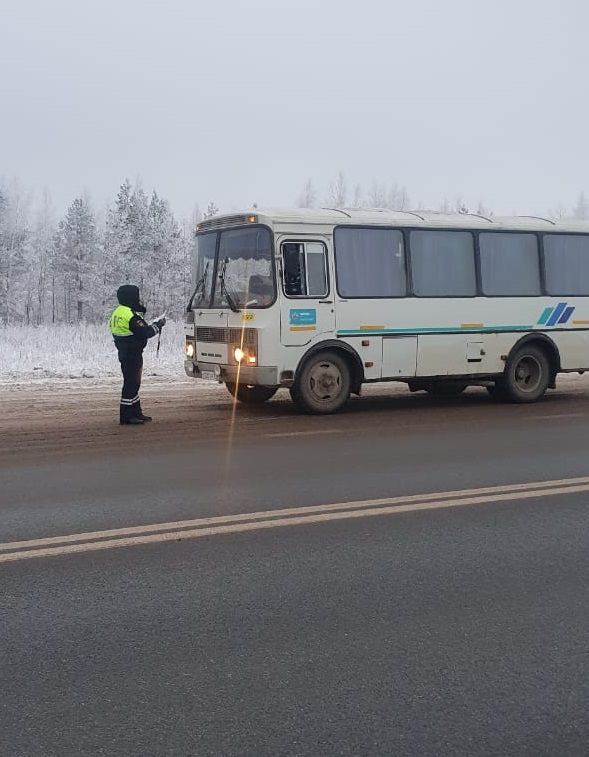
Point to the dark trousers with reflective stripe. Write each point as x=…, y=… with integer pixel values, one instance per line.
x=131, y=366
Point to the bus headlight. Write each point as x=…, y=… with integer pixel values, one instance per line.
x=245, y=355
x=189, y=349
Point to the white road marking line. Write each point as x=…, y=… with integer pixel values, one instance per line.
x=279, y=518
x=305, y=433
x=283, y=522
x=556, y=415
x=286, y=512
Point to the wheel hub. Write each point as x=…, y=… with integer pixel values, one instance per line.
x=528, y=373
x=325, y=381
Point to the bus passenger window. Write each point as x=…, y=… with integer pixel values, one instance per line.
x=442, y=263
x=509, y=264
x=370, y=262
x=567, y=264
x=304, y=269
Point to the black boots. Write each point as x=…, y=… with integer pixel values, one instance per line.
x=132, y=415
x=137, y=419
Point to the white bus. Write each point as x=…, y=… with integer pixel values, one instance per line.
x=323, y=301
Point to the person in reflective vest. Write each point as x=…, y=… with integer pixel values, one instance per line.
x=131, y=332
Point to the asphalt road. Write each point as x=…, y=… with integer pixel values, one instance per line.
x=340, y=601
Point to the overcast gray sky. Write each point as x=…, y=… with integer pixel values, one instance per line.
x=242, y=101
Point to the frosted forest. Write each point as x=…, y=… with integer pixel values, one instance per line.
x=64, y=268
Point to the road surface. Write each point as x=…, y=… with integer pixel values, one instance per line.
x=409, y=577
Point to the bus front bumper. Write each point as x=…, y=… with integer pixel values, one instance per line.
x=251, y=375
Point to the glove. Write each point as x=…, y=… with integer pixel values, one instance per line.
x=161, y=323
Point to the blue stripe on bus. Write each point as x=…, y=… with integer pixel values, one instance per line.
x=558, y=311
x=566, y=315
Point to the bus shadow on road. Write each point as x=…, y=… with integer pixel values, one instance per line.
x=401, y=400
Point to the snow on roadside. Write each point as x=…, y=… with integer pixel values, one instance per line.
x=78, y=351
x=68, y=352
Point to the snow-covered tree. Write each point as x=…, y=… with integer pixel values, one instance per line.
x=4, y=266
x=41, y=290
x=14, y=234
x=195, y=217
x=558, y=213
x=308, y=197
x=377, y=195
x=337, y=196
x=78, y=250
x=482, y=210
x=162, y=262
x=357, y=201
x=212, y=210
x=127, y=243
x=118, y=241
x=397, y=198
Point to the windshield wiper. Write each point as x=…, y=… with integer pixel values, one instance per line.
x=224, y=290
x=199, y=285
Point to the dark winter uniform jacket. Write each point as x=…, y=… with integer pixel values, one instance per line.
x=130, y=331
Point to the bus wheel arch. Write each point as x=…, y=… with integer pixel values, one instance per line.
x=545, y=343
x=325, y=377
x=530, y=369
x=347, y=352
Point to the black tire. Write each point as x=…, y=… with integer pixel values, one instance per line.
x=323, y=384
x=527, y=375
x=445, y=388
x=251, y=395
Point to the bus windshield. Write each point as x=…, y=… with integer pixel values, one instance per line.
x=206, y=245
x=244, y=269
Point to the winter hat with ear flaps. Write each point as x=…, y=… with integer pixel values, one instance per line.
x=128, y=295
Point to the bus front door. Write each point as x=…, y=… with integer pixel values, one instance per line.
x=307, y=301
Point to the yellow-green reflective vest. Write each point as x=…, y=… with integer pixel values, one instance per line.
x=119, y=321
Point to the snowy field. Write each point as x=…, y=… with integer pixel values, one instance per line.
x=42, y=353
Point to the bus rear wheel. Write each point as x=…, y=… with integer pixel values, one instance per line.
x=527, y=375
x=251, y=395
x=323, y=384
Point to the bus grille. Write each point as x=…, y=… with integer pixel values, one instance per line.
x=221, y=335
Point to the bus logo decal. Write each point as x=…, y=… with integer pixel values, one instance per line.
x=556, y=315
x=302, y=316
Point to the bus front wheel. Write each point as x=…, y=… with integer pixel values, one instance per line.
x=527, y=375
x=251, y=395
x=323, y=384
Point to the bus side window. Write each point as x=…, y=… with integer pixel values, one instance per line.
x=305, y=269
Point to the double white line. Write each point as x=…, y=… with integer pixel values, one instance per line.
x=293, y=516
